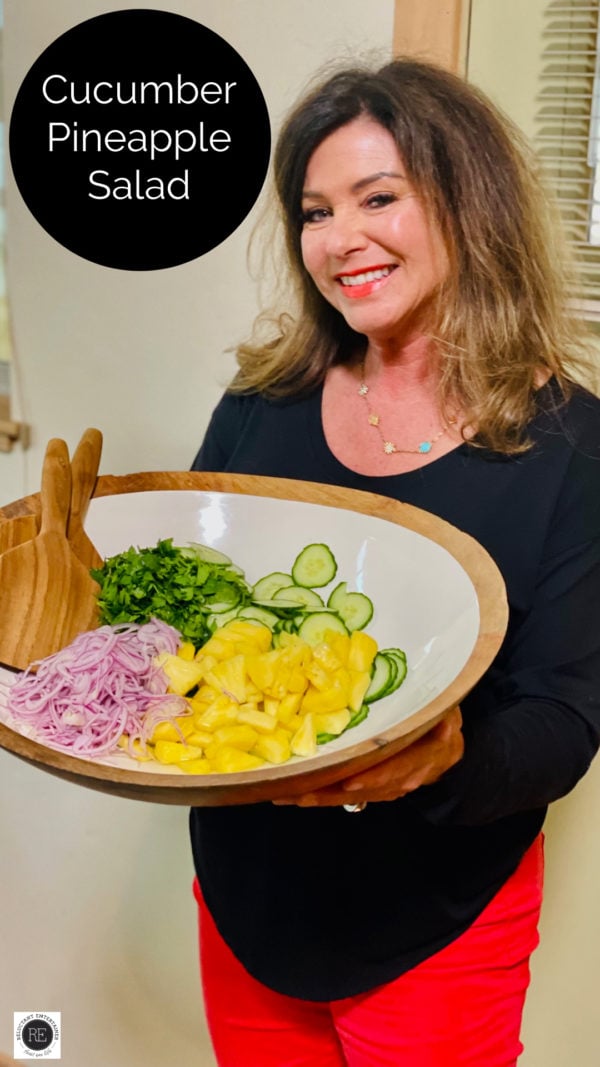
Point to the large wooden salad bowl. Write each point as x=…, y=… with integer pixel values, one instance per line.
x=437, y=593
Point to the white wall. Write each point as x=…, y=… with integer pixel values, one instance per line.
x=96, y=916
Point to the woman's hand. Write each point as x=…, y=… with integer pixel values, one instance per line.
x=422, y=763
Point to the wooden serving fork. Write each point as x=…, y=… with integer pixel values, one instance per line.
x=84, y=471
x=47, y=595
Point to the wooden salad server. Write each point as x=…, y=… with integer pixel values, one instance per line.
x=15, y=531
x=84, y=472
x=47, y=595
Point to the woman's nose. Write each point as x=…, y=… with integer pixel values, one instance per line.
x=345, y=234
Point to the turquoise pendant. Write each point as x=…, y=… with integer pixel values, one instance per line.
x=425, y=446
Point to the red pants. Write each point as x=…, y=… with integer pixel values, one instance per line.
x=460, y=1008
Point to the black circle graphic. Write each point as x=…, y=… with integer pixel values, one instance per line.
x=140, y=139
x=37, y=1034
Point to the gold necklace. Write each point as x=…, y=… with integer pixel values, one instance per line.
x=374, y=420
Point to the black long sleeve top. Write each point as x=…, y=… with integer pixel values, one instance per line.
x=320, y=904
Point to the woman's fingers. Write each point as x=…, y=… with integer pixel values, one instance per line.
x=422, y=763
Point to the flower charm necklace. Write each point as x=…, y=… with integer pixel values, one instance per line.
x=374, y=420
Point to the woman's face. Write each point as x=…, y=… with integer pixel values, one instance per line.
x=367, y=242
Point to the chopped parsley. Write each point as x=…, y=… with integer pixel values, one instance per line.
x=169, y=583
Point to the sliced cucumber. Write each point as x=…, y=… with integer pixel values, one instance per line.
x=358, y=716
x=219, y=607
x=287, y=628
x=307, y=610
x=281, y=607
x=355, y=610
x=252, y=613
x=314, y=567
x=398, y=657
x=266, y=587
x=297, y=594
x=305, y=613
x=208, y=554
x=338, y=594
x=384, y=672
x=234, y=569
x=216, y=621
x=389, y=671
x=315, y=626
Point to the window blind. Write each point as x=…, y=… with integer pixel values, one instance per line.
x=567, y=132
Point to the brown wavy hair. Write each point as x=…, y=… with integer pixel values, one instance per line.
x=503, y=323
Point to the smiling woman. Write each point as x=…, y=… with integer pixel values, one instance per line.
x=366, y=236
x=426, y=353
x=376, y=256
x=442, y=143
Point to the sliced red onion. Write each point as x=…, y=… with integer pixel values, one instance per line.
x=103, y=685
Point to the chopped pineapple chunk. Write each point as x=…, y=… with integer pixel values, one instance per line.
x=254, y=704
x=229, y=678
x=259, y=720
x=250, y=633
x=339, y=644
x=135, y=748
x=229, y=759
x=182, y=674
x=175, y=751
x=362, y=651
x=202, y=738
x=236, y=735
x=196, y=766
x=177, y=730
x=186, y=650
x=289, y=705
x=332, y=722
x=333, y=698
x=359, y=683
x=304, y=741
x=222, y=712
x=328, y=657
x=274, y=748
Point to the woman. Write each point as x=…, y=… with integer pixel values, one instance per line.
x=431, y=358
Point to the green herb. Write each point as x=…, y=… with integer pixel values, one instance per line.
x=169, y=583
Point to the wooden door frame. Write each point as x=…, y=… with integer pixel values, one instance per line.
x=435, y=30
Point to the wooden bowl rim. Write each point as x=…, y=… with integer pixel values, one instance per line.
x=286, y=779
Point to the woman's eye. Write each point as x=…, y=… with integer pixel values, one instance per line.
x=380, y=199
x=314, y=214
